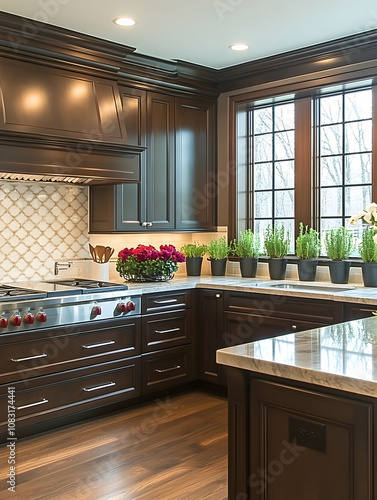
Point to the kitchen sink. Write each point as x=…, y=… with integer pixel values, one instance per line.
x=309, y=288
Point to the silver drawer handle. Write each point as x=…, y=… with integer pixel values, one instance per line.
x=168, y=369
x=32, y=404
x=97, y=387
x=168, y=301
x=294, y=327
x=162, y=332
x=18, y=360
x=101, y=344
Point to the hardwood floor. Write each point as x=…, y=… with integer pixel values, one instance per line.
x=170, y=449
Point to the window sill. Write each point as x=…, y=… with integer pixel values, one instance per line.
x=292, y=259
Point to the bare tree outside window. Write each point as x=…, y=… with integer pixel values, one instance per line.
x=345, y=156
x=266, y=169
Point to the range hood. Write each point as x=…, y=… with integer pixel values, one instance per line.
x=61, y=126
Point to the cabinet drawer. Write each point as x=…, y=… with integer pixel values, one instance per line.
x=358, y=311
x=55, y=395
x=166, y=330
x=159, y=302
x=27, y=359
x=282, y=306
x=167, y=368
x=243, y=328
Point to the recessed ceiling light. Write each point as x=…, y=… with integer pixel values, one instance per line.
x=124, y=21
x=239, y=46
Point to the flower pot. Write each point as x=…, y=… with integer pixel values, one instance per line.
x=248, y=266
x=307, y=269
x=193, y=266
x=218, y=267
x=339, y=271
x=277, y=268
x=369, y=270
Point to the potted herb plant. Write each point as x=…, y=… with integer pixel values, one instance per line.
x=194, y=257
x=276, y=242
x=307, y=250
x=248, y=249
x=368, y=254
x=218, y=251
x=339, y=244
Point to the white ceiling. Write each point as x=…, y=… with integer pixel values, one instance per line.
x=200, y=31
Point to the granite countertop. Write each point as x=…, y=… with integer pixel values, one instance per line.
x=327, y=291
x=342, y=356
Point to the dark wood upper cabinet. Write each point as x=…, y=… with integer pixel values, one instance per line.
x=195, y=175
x=177, y=189
x=133, y=115
x=160, y=161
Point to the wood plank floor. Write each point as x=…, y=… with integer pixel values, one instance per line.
x=170, y=449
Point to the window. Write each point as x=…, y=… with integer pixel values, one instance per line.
x=306, y=156
x=344, y=128
x=266, y=167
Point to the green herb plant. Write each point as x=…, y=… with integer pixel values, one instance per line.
x=194, y=249
x=276, y=241
x=307, y=244
x=339, y=243
x=218, y=249
x=248, y=245
x=367, y=247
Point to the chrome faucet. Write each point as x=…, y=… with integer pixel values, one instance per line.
x=61, y=266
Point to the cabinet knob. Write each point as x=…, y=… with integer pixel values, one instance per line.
x=29, y=318
x=144, y=224
x=16, y=320
x=217, y=296
x=96, y=311
x=3, y=322
x=294, y=327
x=41, y=317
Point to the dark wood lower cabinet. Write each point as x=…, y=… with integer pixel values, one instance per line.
x=210, y=335
x=167, y=368
x=243, y=328
x=52, y=396
x=358, y=311
x=298, y=442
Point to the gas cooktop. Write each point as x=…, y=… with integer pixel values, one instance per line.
x=55, y=288
x=8, y=293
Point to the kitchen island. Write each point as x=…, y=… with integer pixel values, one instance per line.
x=302, y=414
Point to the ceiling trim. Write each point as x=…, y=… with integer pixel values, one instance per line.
x=52, y=45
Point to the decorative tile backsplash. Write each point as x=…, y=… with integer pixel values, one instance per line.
x=40, y=224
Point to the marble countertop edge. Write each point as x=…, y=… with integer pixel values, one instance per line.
x=299, y=374
x=359, y=294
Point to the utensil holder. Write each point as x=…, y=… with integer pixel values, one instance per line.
x=100, y=271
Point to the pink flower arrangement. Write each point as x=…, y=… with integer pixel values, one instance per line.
x=146, y=262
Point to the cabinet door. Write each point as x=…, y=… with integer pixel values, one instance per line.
x=305, y=445
x=130, y=210
x=210, y=335
x=160, y=161
x=122, y=207
x=196, y=185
